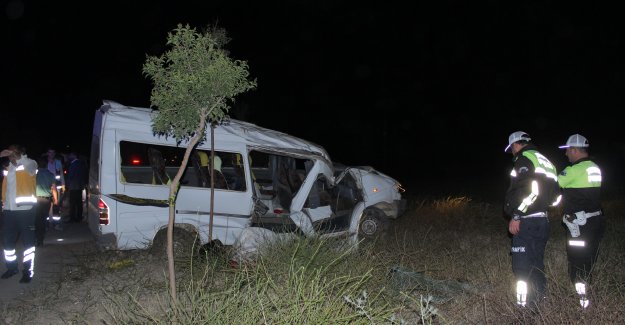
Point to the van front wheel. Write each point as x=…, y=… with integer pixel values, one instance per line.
x=186, y=244
x=372, y=224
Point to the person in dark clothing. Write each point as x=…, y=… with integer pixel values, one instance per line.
x=159, y=167
x=581, y=205
x=533, y=188
x=203, y=164
x=46, y=196
x=219, y=178
x=238, y=183
x=75, y=181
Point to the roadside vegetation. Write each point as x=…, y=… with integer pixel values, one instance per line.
x=445, y=261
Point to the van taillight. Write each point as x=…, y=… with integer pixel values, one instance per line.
x=104, y=213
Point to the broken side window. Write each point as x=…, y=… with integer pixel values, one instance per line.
x=277, y=178
x=150, y=164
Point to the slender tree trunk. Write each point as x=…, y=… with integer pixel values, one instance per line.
x=173, y=193
x=170, y=250
x=210, y=222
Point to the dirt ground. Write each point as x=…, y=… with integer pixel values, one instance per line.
x=71, y=278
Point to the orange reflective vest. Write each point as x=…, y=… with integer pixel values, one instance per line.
x=26, y=187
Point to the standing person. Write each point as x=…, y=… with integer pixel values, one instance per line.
x=581, y=186
x=46, y=196
x=75, y=182
x=19, y=206
x=533, y=188
x=55, y=166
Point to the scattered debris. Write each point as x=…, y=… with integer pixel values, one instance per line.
x=121, y=264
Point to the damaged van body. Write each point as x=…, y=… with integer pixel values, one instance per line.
x=263, y=179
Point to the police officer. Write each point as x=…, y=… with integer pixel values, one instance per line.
x=581, y=185
x=533, y=188
x=19, y=206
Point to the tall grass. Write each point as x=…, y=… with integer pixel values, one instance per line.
x=445, y=242
x=445, y=261
x=305, y=281
x=456, y=238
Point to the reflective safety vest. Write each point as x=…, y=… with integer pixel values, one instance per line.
x=25, y=187
x=581, y=175
x=581, y=186
x=543, y=188
x=542, y=165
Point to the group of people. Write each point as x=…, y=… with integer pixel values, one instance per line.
x=30, y=192
x=535, y=186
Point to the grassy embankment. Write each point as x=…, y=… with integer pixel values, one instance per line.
x=451, y=261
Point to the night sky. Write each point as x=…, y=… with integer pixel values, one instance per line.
x=426, y=92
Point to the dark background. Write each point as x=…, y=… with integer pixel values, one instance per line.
x=426, y=92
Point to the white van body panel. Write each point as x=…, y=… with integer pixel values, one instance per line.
x=127, y=213
x=379, y=190
x=134, y=226
x=252, y=240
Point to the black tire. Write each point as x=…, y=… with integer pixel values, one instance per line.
x=373, y=224
x=186, y=244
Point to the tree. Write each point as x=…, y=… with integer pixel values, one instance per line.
x=194, y=83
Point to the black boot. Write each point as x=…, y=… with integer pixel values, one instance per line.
x=26, y=277
x=9, y=273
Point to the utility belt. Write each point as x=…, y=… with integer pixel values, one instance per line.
x=580, y=217
x=573, y=221
x=535, y=215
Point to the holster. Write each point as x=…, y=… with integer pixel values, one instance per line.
x=571, y=223
x=580, y=218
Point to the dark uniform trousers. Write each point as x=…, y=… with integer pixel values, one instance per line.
x=75, y=205
x=528, y=250
x=19, y=223
x=582, y=258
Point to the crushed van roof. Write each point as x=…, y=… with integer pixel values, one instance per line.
x=236, y=130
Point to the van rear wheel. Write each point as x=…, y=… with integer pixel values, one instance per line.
x=186, y=244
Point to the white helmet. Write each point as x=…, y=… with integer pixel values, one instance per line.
x=517, y=136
